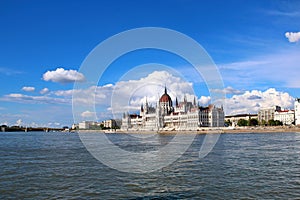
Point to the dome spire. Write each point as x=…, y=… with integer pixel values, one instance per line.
x=165, y=89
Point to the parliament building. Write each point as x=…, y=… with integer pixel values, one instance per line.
x=164, y=116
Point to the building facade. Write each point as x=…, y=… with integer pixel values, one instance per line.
x=85, y=124
x=110, y=123
x=164, y=116
x=287, y=117
x=297, y=111
x=266, y=114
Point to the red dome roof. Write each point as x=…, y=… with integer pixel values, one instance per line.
x=165, y=97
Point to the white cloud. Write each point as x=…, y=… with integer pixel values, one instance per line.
x=252, y=101
x=19, y=122
x=61, y=75
x=20, y=98
x=293, y=36
x=227, y=90
x=44, y=91
x=94, y=94
x=204, y=100
x=9, y=72
x=88, y=114
x=134, y=91
x=28, y=89
x=284, y=13
x=39, y=117
x=129, y=95
x=277, y=70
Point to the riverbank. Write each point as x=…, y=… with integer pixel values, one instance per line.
x=262, y=129
x=281, y=129
x=207, y=130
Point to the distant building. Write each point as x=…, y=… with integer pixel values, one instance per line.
x=235, y=118
x=110, y=123
x=84, y=125
x=89, y=125
x=287, y=117
x=266, y=114
x=75, y=126
x=183, y=116
x=297, y=111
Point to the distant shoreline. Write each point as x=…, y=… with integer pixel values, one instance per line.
x=207, y=130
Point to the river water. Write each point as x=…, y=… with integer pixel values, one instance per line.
x=38, y=165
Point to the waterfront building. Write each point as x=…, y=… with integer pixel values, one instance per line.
x=266, y=114
x=110, y=123
x=75, y=126
x=85, y=124
x=287, y=117
x=297, y=111
x=164, y=116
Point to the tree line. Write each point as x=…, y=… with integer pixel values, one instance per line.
x=255, y=122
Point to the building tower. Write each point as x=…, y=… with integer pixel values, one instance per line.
x=165, y=103
x=297, y=111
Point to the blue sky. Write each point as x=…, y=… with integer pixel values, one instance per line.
x=246, y=39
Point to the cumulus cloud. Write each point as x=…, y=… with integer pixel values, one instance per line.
x=204, y=100
x=44, y=91
x=252, y=101
x=293, y=36
x=28, y=89
x=130, y=94
x=88, y=114
x=61, y=75
x=132, y=91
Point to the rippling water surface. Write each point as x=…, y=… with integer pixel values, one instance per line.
x=38, y=165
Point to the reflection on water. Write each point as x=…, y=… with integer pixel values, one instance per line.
x=56, y=165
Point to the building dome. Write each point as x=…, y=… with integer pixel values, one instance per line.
x=165, y=97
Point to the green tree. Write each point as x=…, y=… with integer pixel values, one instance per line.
x=242, y=122
x=253, y=122
x=263, y=122
x=102, y=126
x=228, y=122
x=273, y=122
x=278, y=123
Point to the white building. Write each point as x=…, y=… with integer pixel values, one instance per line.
x=184, y=116
x=297, y=111
x=84, y=125
x=110, y=123
x=287, y=117
x=88, y=125
x=75, y=126
x=266, y=114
